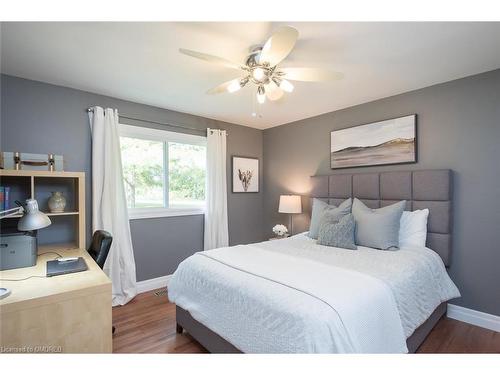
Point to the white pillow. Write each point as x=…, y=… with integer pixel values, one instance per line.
x=413, y=228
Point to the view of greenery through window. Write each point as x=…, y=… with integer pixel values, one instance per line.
x=143, y=173
x=186, y=172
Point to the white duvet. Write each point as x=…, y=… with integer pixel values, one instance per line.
x=294, y=296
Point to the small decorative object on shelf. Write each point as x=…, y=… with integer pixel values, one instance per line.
x=280, y=231
x=57, y=202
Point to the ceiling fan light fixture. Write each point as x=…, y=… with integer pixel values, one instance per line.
x=286, y=85
x=259, y=74
x=262, y=68
x=261, y=95
x=234, y=86
x=283, y=84
x=237, y=84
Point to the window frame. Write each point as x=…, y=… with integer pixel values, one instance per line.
x=165, y=136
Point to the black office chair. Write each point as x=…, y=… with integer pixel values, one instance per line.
x=99, y=249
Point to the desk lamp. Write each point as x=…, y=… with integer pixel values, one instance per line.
x=33, y=219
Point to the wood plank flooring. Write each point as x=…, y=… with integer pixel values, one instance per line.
x=147, y=325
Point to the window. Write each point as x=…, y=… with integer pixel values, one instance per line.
x=163, y=172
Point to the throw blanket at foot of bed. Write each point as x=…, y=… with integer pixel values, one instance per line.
x=267, y=302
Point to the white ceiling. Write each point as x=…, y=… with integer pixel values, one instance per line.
x=140, y=62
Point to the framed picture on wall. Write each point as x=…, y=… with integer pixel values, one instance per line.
x=245, y=174
x=392, y=141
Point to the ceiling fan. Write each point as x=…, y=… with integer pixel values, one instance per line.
x=262, y=69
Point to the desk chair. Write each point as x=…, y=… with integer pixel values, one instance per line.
x=99, y=249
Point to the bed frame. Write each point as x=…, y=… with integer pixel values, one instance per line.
x=430, y=189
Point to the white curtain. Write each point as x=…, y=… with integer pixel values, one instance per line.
x=216, y=233
x=109, y=205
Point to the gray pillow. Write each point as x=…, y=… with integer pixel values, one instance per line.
x=377, y=228
x=338, y=233
x=319, y=208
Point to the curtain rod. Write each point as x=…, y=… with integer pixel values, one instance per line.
x=160, y=123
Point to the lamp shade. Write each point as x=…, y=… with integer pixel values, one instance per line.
x=33, y=219
x=290, y=204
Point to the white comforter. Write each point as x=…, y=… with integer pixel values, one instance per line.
x=294, y=296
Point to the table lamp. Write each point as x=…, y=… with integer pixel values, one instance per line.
x=290, y=204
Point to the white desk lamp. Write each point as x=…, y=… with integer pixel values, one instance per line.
x=290, y=204
x=32, y=219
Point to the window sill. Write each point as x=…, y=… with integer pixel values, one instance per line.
x=164, y=212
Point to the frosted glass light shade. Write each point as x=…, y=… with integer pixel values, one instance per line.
x=234, y=86
x=286, y=85
x=261, y=95
x=290, y=204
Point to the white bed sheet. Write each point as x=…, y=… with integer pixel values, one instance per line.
x=256, y=310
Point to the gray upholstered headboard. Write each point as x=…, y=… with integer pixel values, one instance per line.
x=430, y=189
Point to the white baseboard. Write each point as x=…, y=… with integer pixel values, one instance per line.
x=474, y=317
x=151, y=284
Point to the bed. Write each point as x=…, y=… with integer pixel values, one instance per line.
x=277, y=296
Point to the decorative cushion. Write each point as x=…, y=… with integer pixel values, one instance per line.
x=413, y=228
x=377, y=228
x=339, y=233
x=318, y=210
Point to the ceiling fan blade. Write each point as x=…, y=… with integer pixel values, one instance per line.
x=224, y=87
x=210, y=58
x=273, y=92
x=278, y=46
x=310, y=74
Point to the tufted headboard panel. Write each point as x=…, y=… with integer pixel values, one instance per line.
x=430, y=189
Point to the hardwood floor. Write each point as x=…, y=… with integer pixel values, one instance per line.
x=453, y=336
x=147, y=325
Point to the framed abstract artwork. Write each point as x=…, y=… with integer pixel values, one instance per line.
x=392, y=141
x=245, y=174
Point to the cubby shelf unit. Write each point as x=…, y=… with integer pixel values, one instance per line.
x=38, y=185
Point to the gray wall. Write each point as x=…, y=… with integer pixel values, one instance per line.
x=40, y=118
x=458, y=128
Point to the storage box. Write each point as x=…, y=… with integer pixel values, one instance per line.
x=31, y=162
